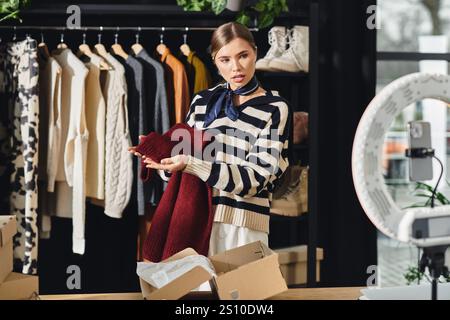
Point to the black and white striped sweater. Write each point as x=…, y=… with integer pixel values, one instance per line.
x=252, y=152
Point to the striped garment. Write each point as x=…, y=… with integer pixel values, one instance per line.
x=251, y=153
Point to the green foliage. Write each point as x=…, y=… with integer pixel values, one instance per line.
x=218, y=6
x=265, y=10
x=423, y=190
x=9, y=9
x=413, y=275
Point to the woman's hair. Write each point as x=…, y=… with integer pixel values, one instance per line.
x=227, y=33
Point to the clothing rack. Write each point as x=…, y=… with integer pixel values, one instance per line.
x=98, y=20
x=101, y=28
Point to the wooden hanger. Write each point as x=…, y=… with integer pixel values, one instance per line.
x=116, y=48
x=85, y=50
x=43, y=49
x=99, y=47
x=161, y=48
x=185, y=47
x=62, y=45
x=137, y=47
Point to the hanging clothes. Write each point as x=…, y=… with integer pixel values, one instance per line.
x=118, y=161
x=5, y=134
x=177, y=87
x=70, y=190
x=160, y=120
x=190, y=73
x=49, y=135
x=95, y=122
x=134, y=73
x=202, y=77
x=156, y=116
x=23, y=74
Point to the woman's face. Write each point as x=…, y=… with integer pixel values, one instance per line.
x=236, y=62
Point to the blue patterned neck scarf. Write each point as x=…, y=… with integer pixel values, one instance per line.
x=223, y=98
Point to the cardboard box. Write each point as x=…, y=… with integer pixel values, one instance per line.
x=8, y=228
x=294, y=262
x=249, y=272
x=19, y=286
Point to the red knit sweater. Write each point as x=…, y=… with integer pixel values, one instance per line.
x=184, y=215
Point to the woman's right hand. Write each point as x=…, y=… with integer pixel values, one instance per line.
x=132, y=150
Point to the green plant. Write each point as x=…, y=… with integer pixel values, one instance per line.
x=413, y=275
x=216, y=6
x=423, y=190
x=265, y=10
x=9, y=9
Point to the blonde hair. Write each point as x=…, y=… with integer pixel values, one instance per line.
x=227, y=33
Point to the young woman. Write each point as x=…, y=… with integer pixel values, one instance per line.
x=242, y=185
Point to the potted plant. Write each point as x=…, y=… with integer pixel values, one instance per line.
x=9, y=9
x=265, y=11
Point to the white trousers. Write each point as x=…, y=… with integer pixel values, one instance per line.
x=226, y=236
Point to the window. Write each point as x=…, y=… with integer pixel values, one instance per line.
x=414, y=36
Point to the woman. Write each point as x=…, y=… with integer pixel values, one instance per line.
x=242, y=185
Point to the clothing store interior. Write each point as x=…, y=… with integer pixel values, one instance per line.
x=93, y=91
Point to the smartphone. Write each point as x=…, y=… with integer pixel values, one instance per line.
x=419, y=136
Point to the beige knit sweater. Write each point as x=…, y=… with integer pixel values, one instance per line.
x=118, y=161
x=95, y=120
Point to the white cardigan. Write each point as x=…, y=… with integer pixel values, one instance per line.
x=75, y=140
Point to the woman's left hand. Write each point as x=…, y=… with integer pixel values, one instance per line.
x=173, y=164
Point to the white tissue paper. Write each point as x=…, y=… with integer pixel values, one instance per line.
x=160, y=274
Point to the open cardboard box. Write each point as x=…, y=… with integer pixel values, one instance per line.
x=8, y=228
x=18, y=286
x=249, y=272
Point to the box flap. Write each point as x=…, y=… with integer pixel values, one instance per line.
x=178, y=288
x=8, y=228
x=253, y=281
x=296, y=254
x=232, y=259
x=181, y=285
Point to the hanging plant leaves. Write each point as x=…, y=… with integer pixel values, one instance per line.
x=265, y=20
x=218, y=6
x=9, y=9
x=260, y=6
x=265, y=10
x=243, y=18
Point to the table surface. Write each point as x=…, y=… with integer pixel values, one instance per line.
x=341, y=293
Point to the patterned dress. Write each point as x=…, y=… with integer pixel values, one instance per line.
x=21, y=72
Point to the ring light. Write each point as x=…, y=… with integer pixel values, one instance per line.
x=372, y=192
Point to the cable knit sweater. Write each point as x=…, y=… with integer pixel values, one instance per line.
x=119, y=162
